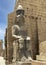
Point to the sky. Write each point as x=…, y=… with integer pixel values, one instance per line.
x=6, y=6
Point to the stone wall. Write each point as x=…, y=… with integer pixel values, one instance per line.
x=1, y=47
x=9, y=36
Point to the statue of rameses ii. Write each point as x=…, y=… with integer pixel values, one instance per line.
x=19, y=32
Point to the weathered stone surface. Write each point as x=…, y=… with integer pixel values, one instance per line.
x=2, y=61
x=24, y=63
x=42, y=47
x=29, y=63
x=42, y=51
x=41, y=57
x=38, y=63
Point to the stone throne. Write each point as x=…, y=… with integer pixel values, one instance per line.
x=19, y=32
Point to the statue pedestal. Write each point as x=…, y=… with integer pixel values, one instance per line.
x=23, y=63
x=41, y=57
x=35, y=62
x=42, y=51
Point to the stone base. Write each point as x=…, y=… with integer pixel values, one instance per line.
x=38, y=63
x=33, y=62
x=20, y=63
x=41, y=57
x=23, y=63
